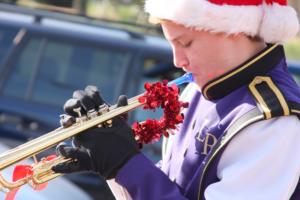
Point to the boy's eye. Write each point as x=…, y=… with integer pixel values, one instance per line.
x=188, y=44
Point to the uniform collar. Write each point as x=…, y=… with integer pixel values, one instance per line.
x=258, y=65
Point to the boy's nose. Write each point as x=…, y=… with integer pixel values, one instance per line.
x=179, y=58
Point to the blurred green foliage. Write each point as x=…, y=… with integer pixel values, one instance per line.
x=64, y=3
x=132, y=11
x=292, y=49
x=123, y=10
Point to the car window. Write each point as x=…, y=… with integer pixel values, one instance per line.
x=7, y=36
x=66, y=66
x=140, y=114
x=296, y=77
x=22, y=71
x=151, y=64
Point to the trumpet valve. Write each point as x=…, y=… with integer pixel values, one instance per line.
x=78, y=111
x=81, y=118
x=92, y=113
x=66, y=120
x=104, y=108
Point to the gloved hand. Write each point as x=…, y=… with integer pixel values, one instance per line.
x=102, y=150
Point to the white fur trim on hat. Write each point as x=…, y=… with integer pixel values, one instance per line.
x=279, y=23
x=261, y=20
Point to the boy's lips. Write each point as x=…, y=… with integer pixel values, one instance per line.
x=186, y=69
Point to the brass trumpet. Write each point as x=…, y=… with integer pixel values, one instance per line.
x=42, y=170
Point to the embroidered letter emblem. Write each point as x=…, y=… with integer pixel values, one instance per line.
x=208, y=142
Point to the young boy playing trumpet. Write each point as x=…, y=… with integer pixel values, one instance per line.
x=240, y=136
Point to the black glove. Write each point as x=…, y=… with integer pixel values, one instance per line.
x=102, y=150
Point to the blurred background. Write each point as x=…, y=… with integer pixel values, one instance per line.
x=49, y=48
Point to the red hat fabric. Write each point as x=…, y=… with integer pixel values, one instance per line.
x=271, y=20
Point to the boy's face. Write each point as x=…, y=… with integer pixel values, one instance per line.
x=198, y=52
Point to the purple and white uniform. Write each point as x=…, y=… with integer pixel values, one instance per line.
x=257, y=163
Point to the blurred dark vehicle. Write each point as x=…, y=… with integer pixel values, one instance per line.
x=45, y=56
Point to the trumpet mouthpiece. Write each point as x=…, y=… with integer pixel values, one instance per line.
x=186, y=78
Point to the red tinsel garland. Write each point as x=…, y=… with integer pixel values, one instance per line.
x=164, y=96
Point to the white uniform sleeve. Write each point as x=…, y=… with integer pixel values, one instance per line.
x=119, y=192
x=262, y=162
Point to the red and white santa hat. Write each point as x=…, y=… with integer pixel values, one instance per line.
x=272, y=20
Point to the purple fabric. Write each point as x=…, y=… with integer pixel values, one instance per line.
x=285, y=82
x=296, y=195
x=144, y=181
x=180, y=171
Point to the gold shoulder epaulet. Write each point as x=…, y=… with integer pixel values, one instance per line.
x=268, y=97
